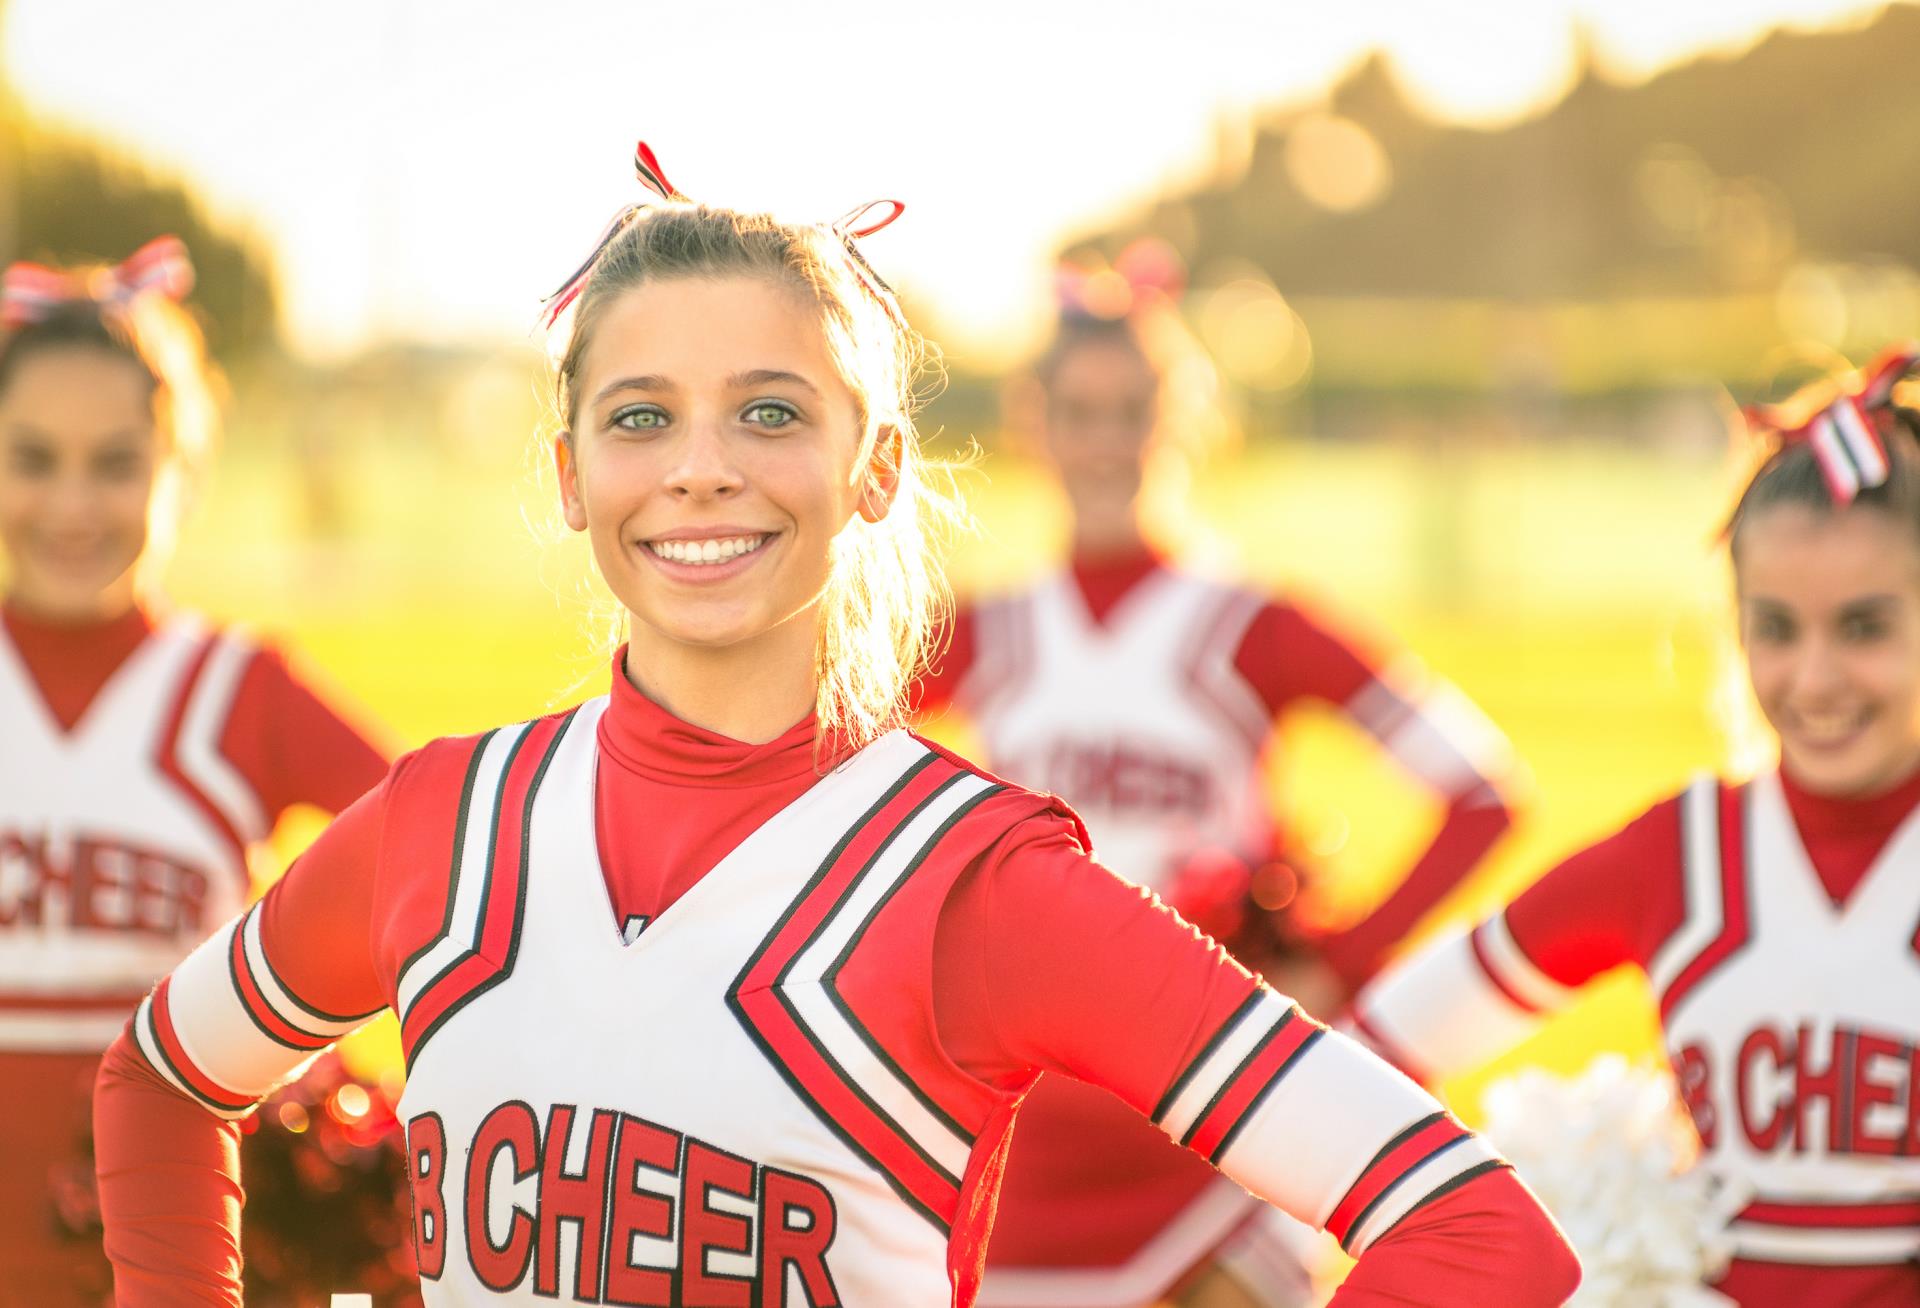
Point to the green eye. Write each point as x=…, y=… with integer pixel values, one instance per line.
x=640, y=417
x=768, y=414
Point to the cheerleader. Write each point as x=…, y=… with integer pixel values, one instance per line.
x=140, y=752
x=718, y=989
x=1146, y=695
x=1775, y=918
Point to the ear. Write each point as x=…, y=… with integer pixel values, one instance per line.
x=567, y=470
x=882, y=480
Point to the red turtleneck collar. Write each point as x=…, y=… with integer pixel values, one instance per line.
x=1104, y=579
x=1844, y=836
x=71, y=661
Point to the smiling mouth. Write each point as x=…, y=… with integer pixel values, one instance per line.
x=700, y=553
x=1826, y=730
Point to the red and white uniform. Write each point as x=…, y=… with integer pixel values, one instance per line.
x=1779, y=932
x=781, y=1077
x=1146, y=696
x=138, y=763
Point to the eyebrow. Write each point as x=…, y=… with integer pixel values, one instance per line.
x=765, y=376
x=645, y=382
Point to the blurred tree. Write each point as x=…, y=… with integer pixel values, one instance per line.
x=65, y=200
x=1715, y=175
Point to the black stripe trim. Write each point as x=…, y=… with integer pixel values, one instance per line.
x=238, y=945
x=505, y=968
x=180, y=1079
x=1360, y=1218
x=779, y=991
x=1392, y=1145
x=1240, y=1069
x=317, y=1014
x=766, y=1047
x=486, y=881
x=1444, y=1189
x=1253, y=1105
x=832, y=975
x=1252, y=1001
x=459, y=843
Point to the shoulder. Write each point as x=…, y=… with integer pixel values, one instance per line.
x=1011, y=808
x=452, y=767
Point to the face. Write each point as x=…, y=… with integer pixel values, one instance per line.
x=713, y=461
x=78, y=451
x=1103, y=407
x=1830, y=618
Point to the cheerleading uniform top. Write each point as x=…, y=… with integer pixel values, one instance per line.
x=1779, y=929
x=859, y=975
x=138, y=759
x=1145, y=695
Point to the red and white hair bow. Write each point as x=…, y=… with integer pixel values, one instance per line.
x=31, y=292
x=1146, y=270
x=1845, y=434
x=855, y=223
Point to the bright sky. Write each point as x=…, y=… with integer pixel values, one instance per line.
x=430, y=168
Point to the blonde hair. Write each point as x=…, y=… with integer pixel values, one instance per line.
x=160, y=337
x=886, y=591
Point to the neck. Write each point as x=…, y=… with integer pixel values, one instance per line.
x=114, y=602
x=1095, y=538
x=754, y=691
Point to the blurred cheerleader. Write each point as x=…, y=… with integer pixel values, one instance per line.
x=704, y=984
x=1146, y=695
x=1775, y=918
x=140, y=752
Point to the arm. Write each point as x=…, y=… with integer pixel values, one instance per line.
x=1051, y=948
x=234, y=1020
x=293, y=746
x=1471, y=996
x=1425, y=725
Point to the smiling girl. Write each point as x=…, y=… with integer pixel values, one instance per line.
x=720, y=989
x=140, y=752
x=1776, y=918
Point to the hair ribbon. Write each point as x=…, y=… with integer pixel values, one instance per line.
x=32, y=292
x=1845, y=434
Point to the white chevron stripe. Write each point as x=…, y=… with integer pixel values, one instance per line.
x=805, y=984
x=1705, y=914
x=470, y=868
x=198, y=748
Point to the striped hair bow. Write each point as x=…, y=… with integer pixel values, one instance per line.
x=850, y=226
x=1845, y=434
x=30, y=292
x=1148, y=268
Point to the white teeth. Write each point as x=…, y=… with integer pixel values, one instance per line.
x=698, y=552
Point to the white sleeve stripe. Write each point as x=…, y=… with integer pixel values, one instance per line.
x=286, y=1005
x=198, y=751
x=1319, y=1130
x=1513, y=969
x=1214, y=1068
x=1444, y=1009
x=1445, y=1170
x=147, y=1037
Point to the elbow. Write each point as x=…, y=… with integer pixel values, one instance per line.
x=1546, y=1266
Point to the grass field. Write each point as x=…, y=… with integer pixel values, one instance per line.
x=1570, y=590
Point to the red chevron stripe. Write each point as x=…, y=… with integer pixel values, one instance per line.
x=176, y=1055
x=1265, y=1068
x=788, y=1043
x=1733, y=901
x=1385, y=1171
x=255, y=1000
x=498, y=913
x=166, y=757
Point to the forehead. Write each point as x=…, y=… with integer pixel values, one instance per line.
x=1802, y=556
x=77, y=392
x=1102, y=362
x=692, y=329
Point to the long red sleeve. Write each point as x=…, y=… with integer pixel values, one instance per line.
x=1487, y=1243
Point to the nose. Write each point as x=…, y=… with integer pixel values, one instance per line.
x=1820, y=671
x=703, y=466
